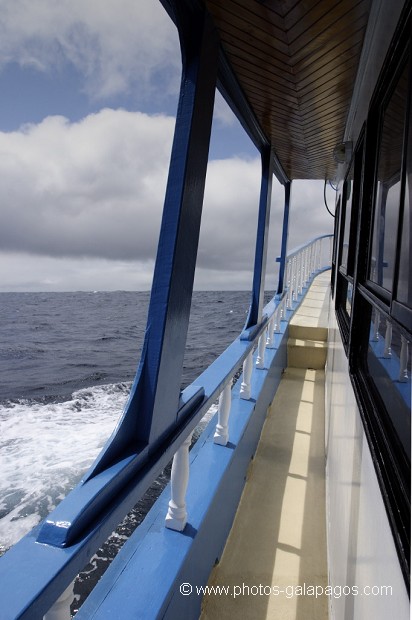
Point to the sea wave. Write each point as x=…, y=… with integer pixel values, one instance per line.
x=46, y=447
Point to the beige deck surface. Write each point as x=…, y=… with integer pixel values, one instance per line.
x=313, y=311
x=277, y=545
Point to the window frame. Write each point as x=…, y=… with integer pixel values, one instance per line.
x=345, y=276
x=392, y=465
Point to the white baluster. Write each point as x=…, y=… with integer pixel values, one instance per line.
x=387, y=352
x=270, y=342
x=296, y=278
x=403, y=361
x=376, y=322
x=245, y=387
x=221, y=436
x=300, y=270
x=288, y=277
x=260, y=358
x=303, y=270
x=284, y=308
x=278, y=318
x=291, y=285
x=61, y=608
x=305, y=267
x=176, y=517
x=281, y=311
x=288, y=273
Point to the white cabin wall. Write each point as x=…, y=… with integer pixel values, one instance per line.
x=361, y=550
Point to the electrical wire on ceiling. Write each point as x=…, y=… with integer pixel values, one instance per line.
x=324, y=197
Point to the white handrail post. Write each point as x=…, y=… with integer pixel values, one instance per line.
x=289, y=273
x=387, y=352
x=176, y=517
x=310, y=260
x=278, y=318
x=61, y=608
x=313, y=259
x=297, y=277
x=283, y=309
x=300, y=270
x=260, y=359
x=403, y=360
x=221, y=436
x=305, y=267
x=245, y=387
x=376, y=322
x=271, y=330
x=291, y=289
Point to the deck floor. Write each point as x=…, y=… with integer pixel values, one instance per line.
x=275, y=555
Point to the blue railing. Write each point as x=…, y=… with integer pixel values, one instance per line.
x=43, y=564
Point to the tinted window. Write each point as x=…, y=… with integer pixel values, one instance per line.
x=387, y=191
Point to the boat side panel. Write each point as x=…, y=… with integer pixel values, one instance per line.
x=361, y=549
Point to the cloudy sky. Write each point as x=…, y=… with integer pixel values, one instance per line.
x=89, y=93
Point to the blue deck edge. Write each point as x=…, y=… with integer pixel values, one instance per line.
x=144, y=579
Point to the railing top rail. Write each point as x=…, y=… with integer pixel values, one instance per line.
x=305, y=245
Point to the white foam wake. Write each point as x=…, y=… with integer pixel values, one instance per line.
x=44, y=450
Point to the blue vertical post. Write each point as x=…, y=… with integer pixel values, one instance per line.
x=285, y=233
x=151, y=412
x=258, y=288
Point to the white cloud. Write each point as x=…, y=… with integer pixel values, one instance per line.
x=81, y=203
x=119, y=46
x=93, y=188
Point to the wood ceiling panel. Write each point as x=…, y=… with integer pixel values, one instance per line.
x=271, y=8
x=305, y=58
x=258, y=29
x=266, y=68
x=296, y=62
x=314, y=73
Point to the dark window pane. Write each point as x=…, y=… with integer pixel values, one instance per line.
x=389, y=367
x=404, y=280
x=349, y=294
x=387, y=199
x=348, y=208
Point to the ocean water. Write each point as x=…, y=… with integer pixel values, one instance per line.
x=67, y=361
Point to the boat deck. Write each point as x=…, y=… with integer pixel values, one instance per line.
x=275, y=555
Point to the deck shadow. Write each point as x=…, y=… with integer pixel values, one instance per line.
x=277, y=546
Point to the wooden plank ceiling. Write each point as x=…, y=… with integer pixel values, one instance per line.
x=296, y=61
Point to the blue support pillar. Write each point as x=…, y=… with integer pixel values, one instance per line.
x=258, y=288
x=152, y=410
x=285, y=232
